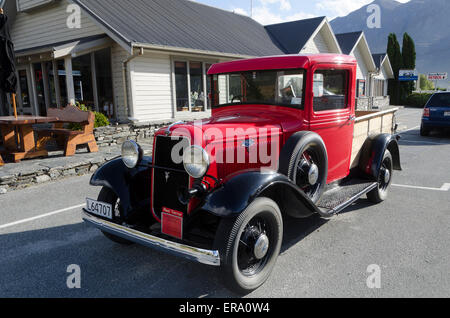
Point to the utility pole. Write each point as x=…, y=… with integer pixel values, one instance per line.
x=251, y=8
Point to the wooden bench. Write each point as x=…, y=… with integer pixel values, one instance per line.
x=69, y=139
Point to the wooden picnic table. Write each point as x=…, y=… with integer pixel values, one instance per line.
x=18, y=137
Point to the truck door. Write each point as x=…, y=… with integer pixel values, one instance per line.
x=332, y=114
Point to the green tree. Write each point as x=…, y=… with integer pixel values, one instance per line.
x=425, y=84
x=409, y=63
x=395, y=56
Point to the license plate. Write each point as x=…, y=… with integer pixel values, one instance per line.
x=447, y=114
x=99, y=208
x=172, y=223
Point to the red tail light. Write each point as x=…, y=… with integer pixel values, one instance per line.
x=426, y=112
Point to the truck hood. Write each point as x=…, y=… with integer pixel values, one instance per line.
x=246, y=120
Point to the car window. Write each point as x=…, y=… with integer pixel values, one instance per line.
x=440, y=100
x=330, y=90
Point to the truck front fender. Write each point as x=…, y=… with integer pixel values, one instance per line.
x=373, y=152
x=130, y=185
x=239, y=191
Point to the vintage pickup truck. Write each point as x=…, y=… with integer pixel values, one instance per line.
x=284, y=140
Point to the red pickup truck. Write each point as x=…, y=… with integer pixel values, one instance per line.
x=284, y=140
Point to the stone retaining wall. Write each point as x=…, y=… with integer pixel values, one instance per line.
x=117, y=134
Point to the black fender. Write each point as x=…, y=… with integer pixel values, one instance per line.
x=373, y=151
x=130, y=185
x=239, y=191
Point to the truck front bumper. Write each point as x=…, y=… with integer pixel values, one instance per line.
x=207, y=257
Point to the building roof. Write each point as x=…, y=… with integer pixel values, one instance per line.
x=348, y=41
x=291, y=37
x=382, y=59
x=181, y=24
x=379, y=58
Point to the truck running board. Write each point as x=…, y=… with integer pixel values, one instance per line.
x=338, y=198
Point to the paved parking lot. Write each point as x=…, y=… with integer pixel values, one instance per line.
x=41, y=234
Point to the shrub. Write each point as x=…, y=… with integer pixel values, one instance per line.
x=100, y=119
x=418, y=99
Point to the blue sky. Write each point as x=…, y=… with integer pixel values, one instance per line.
x=275, y=11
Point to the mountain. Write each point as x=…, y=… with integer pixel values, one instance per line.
x=426, y=21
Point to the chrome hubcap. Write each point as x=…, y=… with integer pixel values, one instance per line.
x=313, y=174
x=261, y=246
x=387, y=176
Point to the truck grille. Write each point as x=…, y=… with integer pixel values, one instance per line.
x=166, y=183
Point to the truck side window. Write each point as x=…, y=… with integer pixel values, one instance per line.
x=330, y=90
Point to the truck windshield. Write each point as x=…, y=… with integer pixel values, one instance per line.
x=284, y=88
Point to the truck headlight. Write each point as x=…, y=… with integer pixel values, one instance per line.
x=196, y=161
x=131, y=154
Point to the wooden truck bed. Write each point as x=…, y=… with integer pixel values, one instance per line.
x=369, y=123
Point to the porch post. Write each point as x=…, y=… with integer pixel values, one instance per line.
x=69, y=80
x=57, y=88
x=46, y=87
x=94, y=81
x=33, y=91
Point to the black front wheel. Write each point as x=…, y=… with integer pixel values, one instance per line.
x=380, y=193
x=249, y=245
x=108, y=196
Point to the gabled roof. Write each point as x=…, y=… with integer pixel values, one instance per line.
x=379, y=58
x=180, y=24
x=293, y=36
x=382, y=60
x=348, y=41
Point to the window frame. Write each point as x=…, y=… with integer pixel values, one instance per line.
x=294, y=106
x=348, y=108
x=175, y=59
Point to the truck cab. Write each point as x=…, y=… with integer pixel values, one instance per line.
x=284, y=140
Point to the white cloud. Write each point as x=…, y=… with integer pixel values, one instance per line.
x=284, y=4
x=241, y=11
x=265, y=16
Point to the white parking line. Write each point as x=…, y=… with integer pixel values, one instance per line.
x=405, y=131
x=423, y=142
x=444, y=188
x=41, y=216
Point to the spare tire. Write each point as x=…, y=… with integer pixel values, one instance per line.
x=304, y=160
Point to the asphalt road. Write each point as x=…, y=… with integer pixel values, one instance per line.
x=41, y=234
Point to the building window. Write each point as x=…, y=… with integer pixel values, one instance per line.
x=82, y=80
x=62, y=81
x=38, y=79
x=191, y=87
x=51, y=84
x=181, y=85
x=361, y=88
x=23, y=82
x=103, y=73
x=330, y=90
x=197, y=87
x=379, y=87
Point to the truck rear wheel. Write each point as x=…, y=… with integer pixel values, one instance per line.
x=380, y=193
x=249, y=245
x=108, y=196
